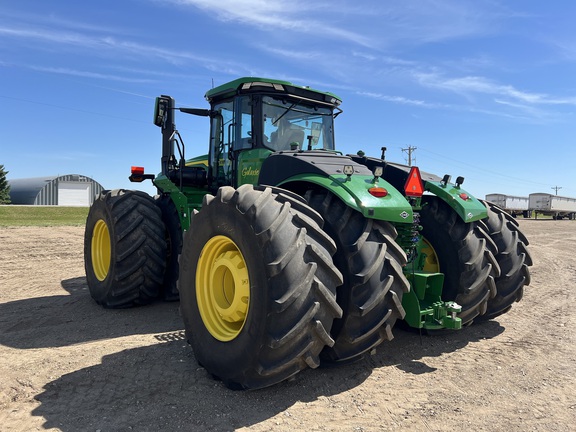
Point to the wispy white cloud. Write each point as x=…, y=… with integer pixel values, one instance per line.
x=483, y=86
x=399, y=100
x=98, y=45
x=102, y=43
x=88, y=74
x=564, y=46
x=293, y=54
x=60, y=37
x=296, y=16
x=513, y=111
x=54, y=20
x=425, y=21
x=369, y=24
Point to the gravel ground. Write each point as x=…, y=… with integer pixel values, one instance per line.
x=69, y=365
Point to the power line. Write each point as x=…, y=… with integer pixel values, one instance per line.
x=556, y=188
x=70, y=108
x=482, y=170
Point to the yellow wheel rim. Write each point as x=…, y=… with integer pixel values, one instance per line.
x=101, y=250
x=222, y=288
x=431, y=263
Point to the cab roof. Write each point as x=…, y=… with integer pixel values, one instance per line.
x=267, y=85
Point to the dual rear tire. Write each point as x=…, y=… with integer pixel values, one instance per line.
x=512, y=256
x=485, y=263
x=124, y=249
x=463, y=254
x=371, y=262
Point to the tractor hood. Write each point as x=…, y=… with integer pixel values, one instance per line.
x=282, y=165
x=352, y=182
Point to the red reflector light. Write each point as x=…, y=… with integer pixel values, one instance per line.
x=378, y=192
x=136, y=170
x=464, y=196
x=414, y=186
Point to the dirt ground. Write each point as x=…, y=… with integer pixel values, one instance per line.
x=66, y=364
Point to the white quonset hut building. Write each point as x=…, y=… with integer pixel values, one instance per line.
x=67, y=190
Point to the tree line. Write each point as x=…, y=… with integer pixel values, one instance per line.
x=4, y=187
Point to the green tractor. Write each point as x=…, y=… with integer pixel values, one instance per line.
x=285, y=253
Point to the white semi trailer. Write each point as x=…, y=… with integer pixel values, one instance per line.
x=556, y=206
x=515, y=205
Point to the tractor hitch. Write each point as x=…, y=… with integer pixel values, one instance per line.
x=424, y=306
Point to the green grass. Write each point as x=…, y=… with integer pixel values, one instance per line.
x=42, y=215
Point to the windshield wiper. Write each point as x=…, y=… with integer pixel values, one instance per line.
x=284, y=113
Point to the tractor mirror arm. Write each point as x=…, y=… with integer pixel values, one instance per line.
x=197, y=111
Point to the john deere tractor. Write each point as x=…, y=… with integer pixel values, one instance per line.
x=286, y=253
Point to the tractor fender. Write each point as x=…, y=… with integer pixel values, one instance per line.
x=292, y=170
x=464, y=204
x=468, y=207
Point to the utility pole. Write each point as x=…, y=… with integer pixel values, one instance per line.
x=409, y=151
x=556, y=188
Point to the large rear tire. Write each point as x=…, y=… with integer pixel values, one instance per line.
x=257, y=286
x=371, y=263
x=460, y=251
x=124, y=249
x=512, y=256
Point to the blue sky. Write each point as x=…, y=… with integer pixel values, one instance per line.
x=484, y=89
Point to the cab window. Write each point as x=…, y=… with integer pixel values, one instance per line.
x=289, y=124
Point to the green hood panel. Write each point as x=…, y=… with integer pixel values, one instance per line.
x=353, y=192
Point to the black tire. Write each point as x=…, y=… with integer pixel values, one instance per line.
x=124, y=249
x=371, y=263
x=291, y=299
x=173, y=237
x=512, y=256
x=464, y=256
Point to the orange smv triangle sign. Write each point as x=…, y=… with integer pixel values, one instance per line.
x=414, y=186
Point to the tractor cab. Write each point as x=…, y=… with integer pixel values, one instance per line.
x=252, y=118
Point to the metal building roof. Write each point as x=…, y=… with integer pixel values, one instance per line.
x=25, y=191
x=43, y=190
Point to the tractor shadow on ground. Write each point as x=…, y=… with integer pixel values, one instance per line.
x=162, y=387
x=63, y=320
x=409, y=346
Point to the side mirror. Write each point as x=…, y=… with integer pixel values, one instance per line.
x=161, y=107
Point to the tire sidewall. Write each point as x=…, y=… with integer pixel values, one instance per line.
x=447, y=252
x=448, y=260
x=100, y=210
x=243, y=350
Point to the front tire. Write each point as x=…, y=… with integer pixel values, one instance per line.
x=257, y=286
x=371, y=263
x=124, y=249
